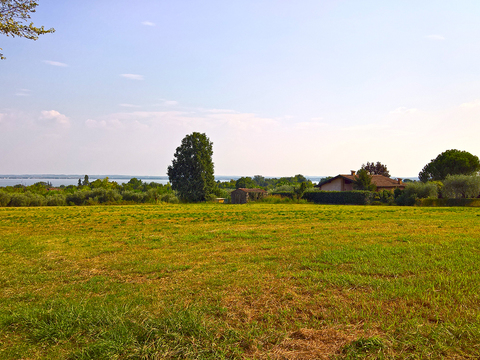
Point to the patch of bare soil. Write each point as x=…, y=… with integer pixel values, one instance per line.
x=306, y=344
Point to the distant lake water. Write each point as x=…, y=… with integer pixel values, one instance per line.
x=66, y=182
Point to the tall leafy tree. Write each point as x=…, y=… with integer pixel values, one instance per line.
x=450, y=162
x=376, y=169
x=14, y=15
x=245, y=182
x=363, y=181
x=191, y=172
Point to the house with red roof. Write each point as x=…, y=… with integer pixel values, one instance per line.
x=346, y=182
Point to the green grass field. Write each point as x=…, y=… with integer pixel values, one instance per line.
x=260, y=281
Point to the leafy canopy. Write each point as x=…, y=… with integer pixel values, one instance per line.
x=13, y=17
x=450, y=162
x=191, y=172
x=461, y=186
x=363, y=181
x=245, y=182
x=376, y=169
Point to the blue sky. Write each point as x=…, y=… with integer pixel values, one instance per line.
x=280, y=87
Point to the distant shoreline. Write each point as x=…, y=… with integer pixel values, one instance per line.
x=123, y=177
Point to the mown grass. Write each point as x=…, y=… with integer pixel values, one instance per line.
x=215, y=281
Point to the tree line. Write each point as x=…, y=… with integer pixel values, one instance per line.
x=453, y=174
x=100, y=191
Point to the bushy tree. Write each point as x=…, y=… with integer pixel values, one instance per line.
x=4, y=198
x=461, y=186
x=191, y=172
x=376, y=169
x=245, y=182
x=363, y=181
x=260, y=180
x=450, y=162
x=13, y=17
x=417, y=190
x=300, y=190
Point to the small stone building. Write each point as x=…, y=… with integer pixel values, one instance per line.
x=243, y=195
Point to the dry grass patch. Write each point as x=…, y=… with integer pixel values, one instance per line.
x=325, y=343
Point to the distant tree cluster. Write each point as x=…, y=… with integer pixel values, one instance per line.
x=100, y=191
x=259, y=181
x=375, y=169
x=453, y=174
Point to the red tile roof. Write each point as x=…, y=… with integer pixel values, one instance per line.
x=379, y=180
x=251, y=190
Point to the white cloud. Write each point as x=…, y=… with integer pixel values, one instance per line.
x=110, y=124
x=218, y=111
x=148, y=23
x=132, y=76
x=23, y=92
x=403, y=110
x=55, y=63
x=129, y=105
x=471, y=105
x=435, y=37
x=54, y=116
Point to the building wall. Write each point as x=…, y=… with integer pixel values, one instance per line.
x=335, y=185
x=239, y=197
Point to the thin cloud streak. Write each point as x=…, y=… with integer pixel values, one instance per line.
x=435, y=37
x=23, y=92
x=132, y=76
x=129, y=105
x=55, y=63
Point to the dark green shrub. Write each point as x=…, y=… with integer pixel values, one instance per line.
x=417, y=190
x=283, y=194
x=35, y=199
x=18, y=199
x=56, y=200
x=4, y=198
x=397, y=192
x=136, y=197
x=448, y=202
x=169, y=198
x=77, y=198
x=383, y=197
x=100, y=195
x=356, y=197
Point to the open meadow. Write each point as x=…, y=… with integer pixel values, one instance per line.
x=260, y=281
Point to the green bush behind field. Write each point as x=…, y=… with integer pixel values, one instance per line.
x=101, y=191
x=356, y=197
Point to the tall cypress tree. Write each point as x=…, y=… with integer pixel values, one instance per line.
x=191, y=172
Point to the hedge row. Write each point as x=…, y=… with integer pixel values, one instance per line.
x=90, y=197
x=356, y=197
x=283, y=194
x=448, y=202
